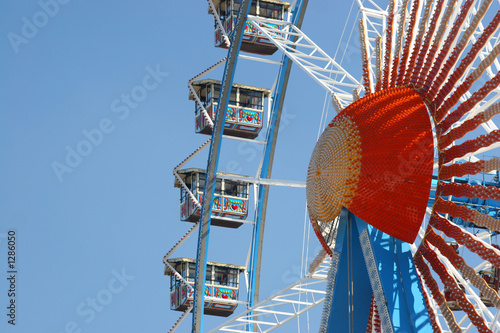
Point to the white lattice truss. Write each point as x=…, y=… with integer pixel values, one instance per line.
x=286, y=305
x=309, y=57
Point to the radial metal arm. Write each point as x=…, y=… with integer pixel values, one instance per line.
x=284, y=306
x=308, y=56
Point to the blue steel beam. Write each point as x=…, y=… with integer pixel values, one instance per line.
x=394, y=280
x=352, y=292
x=212, y=165
x=267, y=164
x=372, y=262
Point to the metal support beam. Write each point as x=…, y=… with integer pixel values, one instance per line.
x=299, y=48
x=394, y=280
x=352, y=292
x=275, y=182
x=373, y=263
x=213, y=161
x=267, y=163
x=284, y=306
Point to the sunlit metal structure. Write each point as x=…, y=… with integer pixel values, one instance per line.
x=439, y=38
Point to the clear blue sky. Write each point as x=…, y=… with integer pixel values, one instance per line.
x=81, y=222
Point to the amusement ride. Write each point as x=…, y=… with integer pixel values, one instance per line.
x=403, y=189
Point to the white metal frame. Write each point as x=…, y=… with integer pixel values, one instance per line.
x=285, y=305
x=309, y=57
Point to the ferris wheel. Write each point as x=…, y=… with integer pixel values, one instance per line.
x=402, y=188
